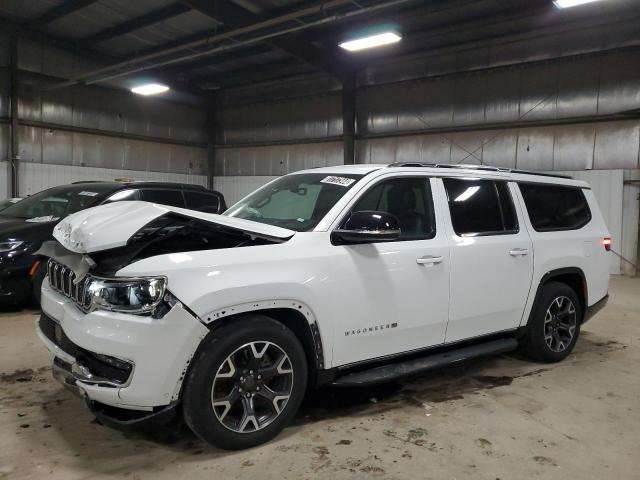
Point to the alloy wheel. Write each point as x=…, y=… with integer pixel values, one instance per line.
x=560, y=323
x=252, y=387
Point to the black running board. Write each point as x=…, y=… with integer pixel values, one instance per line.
x=393, y=371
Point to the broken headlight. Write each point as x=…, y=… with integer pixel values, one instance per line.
x=127, y=295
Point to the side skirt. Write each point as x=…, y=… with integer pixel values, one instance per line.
x=430, y=361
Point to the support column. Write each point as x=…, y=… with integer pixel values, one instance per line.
x=349, y=119
x=14, y=144
x=211, y=142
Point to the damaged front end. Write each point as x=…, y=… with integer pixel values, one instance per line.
x=105, y=328
x=89, y=252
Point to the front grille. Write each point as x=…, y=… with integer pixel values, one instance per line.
x=62, y=280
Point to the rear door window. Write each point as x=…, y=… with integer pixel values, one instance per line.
x=165, y=197
x=480, y=207
x=203, y=202
x=555, y=207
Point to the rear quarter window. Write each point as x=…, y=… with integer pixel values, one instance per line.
x=555, y=207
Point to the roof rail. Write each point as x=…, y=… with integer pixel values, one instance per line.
x=485, y=168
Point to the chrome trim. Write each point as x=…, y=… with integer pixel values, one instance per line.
x=62, y=280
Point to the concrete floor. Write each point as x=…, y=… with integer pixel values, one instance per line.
x=498, y=418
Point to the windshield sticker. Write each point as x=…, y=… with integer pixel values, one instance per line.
x=342, y=181
x=88, y=194
x=47, y=218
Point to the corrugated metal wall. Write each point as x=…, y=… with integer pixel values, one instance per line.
x=50, y=146
x=164, y=139
x=598, y=145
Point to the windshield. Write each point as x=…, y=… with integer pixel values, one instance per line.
x=56, y=203
x=297, y=202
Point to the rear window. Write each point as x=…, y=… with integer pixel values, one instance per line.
x=172, y=198
x=554, y=207
x=480, y=207
x=203, y=202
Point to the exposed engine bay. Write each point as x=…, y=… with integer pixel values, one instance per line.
x=172, y=233
x=169, y=233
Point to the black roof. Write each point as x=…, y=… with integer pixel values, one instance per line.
x=138, y=183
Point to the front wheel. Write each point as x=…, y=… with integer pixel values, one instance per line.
x=554, y=324
x=246, y=384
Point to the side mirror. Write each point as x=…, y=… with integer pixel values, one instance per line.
x=368, y=227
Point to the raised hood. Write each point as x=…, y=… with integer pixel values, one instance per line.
x=110, y=226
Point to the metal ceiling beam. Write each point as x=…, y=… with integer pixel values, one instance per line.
x=60, y=11
x=234, y=16
x=214, y=60
x=251, y=75
x=156, y=16
x=206, y=46
x=21, y=31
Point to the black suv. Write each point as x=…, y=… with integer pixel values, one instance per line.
x=28, y=223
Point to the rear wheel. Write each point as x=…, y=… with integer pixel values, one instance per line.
x=246, y=384
x=554, y=324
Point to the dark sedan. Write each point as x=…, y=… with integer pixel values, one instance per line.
x=28, y=223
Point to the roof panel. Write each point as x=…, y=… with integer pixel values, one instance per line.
x=24, y=10
x=174, y=28
x=101, y=15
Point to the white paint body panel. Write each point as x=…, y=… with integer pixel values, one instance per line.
x=159, y=348
x=477, y=288
x=489, y=285
x=109, y=226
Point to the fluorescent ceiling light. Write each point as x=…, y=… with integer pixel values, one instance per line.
x=150, y=89
x=372, y=41
x=571, y=3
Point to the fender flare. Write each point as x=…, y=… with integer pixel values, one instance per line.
x=550, y=275
x=302, y=308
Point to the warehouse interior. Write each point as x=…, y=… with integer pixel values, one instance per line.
x=261, y=88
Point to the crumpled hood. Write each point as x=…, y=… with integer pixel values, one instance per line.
x=110, y=226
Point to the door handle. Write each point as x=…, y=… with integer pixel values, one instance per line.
x=429, y=260
x=518, y=251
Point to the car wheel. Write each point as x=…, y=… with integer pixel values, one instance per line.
x=246, y=384
x=554, y=324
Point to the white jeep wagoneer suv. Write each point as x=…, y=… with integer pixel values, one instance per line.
x=348, y=275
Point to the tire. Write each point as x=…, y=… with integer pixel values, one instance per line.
x=254, y=364
x=554, y=324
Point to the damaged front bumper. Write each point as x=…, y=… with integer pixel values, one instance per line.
x=117, y=360
x=72, y=378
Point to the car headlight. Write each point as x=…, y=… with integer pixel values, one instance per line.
x=10, y=245
x=128, y=295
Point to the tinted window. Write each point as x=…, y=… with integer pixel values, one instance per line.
x=58, y=202
x=480, y=207
x=123, y=195
x=204, y=202
x=165, y=197
x=409, y=200
x=554, y=207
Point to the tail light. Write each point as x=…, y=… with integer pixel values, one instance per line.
x=606, y=241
